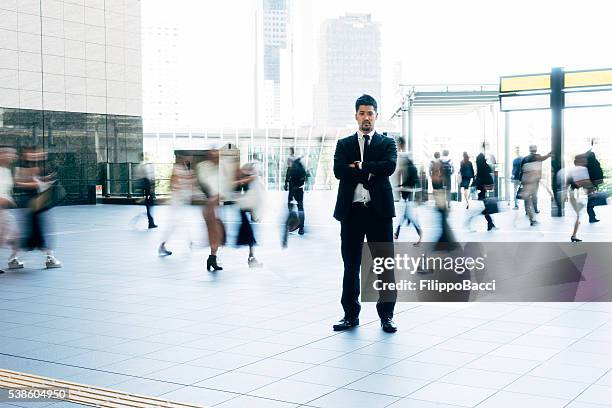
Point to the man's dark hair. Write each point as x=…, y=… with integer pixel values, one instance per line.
x=401, y=141
x=437, y=155
x=366, y=100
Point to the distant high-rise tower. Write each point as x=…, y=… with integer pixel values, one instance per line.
x=275, y=21
x=349, y=66
x=161, y=109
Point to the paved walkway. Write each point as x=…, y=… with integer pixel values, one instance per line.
x=119, y=316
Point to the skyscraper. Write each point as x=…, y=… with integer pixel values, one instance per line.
x=161, y=105
x=349, y=65
x=275, y=21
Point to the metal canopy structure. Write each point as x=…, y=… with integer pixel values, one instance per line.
x=442, y=100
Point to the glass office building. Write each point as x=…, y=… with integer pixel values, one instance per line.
x=70, y=83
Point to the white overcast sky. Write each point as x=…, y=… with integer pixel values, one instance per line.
x=436, y=41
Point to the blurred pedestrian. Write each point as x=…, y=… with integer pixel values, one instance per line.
x=466, y=172
x=571, y=180
x=408, y=185
x=447, y=175
x=483, y=183
x=437, y=180
x=295, y=183
x=531, y=175
x=250, y=189
x=145, y=176
x=596, y=176
x=181, y=183
x=516, y=175
x=9, y=234
x=39, y=191
x=208, y=178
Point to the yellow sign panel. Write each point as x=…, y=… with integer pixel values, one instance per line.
x=525, y=83
x=588, y=78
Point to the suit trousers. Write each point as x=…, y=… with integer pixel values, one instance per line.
x=362, y=222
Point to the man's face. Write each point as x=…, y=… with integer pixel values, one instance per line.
x=366, y=117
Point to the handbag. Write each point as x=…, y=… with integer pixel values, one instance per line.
x=598, y=198
x=519, y=193
x=490, y=205
x=251, y=199
x=52, y=196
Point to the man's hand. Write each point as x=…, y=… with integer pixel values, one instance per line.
x=355, y=165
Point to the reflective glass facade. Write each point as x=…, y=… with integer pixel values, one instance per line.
x=79, y=145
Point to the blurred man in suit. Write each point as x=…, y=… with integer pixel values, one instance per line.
x=363, y=163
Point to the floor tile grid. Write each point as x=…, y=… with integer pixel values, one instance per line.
x=462, y=366
x=551, y=357
x=294, y=373
x=380, y=340
x=237, y=368
x=294, y=348
x=420, y=351
x=451, y=312
x=372, y=322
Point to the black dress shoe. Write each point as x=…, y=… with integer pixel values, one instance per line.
x=345, y=324
x=594, y=220
x=388, y=325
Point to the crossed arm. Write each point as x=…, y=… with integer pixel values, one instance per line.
x=344, y=169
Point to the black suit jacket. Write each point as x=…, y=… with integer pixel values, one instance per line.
x=380, y=163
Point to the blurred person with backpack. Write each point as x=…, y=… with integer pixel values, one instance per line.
x=408, y=184
x=295, y=182
x=596, y=177
x=447, y=172
x=437, y=182
x=516, y=175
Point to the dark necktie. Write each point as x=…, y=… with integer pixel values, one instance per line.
x=366, y=145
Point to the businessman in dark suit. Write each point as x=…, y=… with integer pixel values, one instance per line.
x=363, y=163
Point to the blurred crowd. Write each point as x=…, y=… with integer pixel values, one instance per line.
x=27, y=182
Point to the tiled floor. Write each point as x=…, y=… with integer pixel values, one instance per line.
x=119, y=316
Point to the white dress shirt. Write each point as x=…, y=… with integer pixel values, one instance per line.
x=361, y=194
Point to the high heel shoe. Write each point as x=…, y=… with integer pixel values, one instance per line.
x=211, y=264
x=574, y=239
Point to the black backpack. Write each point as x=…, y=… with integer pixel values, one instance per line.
x=594, y=168
x=298, y=173
x=410, y=175
x=447, y=168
